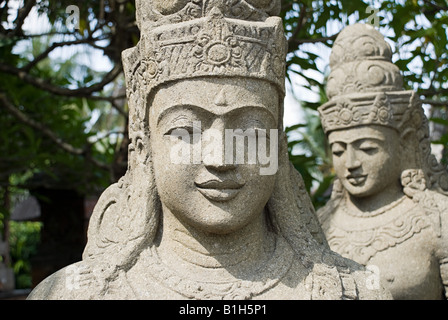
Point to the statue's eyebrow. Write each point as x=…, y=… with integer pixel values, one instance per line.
x=356, y=140
x=208, y=113
x=338, y=142
x=264, y=109
x=181, y=108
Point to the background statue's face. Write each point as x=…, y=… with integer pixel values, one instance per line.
x=189, y=120
x=366, y=159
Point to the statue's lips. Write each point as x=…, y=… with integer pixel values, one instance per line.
x=356, y=180
x=219, y=190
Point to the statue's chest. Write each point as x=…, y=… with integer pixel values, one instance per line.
x=293, y=282
x=399, y=251
x=362, y=237
x=410, y=269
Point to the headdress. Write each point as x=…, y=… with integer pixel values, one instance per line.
x=364, y=86
x=187, y=39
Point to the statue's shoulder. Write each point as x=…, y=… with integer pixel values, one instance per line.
x=435, y=205
x=83, y=281
x=325, y=212
x=58, y=286
x=356, y=282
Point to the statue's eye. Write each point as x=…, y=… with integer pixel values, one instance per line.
x=337, y=149
x=369, y=147
x=369, y=150
x=183, y=128
x=179, y=131
x=338, y=153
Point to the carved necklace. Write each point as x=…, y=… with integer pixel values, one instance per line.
x=371, y=214
x=361, y=245
x=265, y=278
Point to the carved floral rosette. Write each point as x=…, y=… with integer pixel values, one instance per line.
x=151, y=13
x=209, y=46
x=383, y=108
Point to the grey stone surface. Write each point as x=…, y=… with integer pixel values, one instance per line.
x=207, y=229
x=388, y=209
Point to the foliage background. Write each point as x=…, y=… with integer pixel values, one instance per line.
x=63, y=120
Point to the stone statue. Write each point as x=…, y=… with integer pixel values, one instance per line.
x=195, y=226
x=388, y=209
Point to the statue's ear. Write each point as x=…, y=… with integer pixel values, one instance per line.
x=407, y=134
x=138, y=150
x=142, y=149
x=407, y=153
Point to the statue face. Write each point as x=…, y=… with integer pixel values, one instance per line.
x=366, y=159
x=195, y=180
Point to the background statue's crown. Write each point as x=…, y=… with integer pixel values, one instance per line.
x=187, y=39
x=364, y=86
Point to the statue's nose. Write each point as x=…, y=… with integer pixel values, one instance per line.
x=352, y=161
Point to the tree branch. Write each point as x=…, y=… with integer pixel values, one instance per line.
x=5, y=103
x=55, y=45
x=21, y=16
x=435, y=103
x=22, y=117
x=112, y=101
x=301, y=22
x=433, y=92
x=106, y=135
x=3, y=10
x=50, y=33
x=435, y=5
x=298, y=42
x=42, y=84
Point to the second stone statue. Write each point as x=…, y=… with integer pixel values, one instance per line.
x=389, y=209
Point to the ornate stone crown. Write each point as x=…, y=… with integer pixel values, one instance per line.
x=190, y=39
x=391, y=109
x=364, y=86
x=151, y=13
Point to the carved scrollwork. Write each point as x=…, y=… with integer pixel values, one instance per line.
x=362, y=245
x=158, y=12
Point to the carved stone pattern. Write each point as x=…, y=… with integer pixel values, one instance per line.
x=364, y=244
x=214, y=46
x=326, y=282
x=359, y=43
x=152, y=13
x=364, y=76
x=267, y=277
x=389, y=109
x=349, y=287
